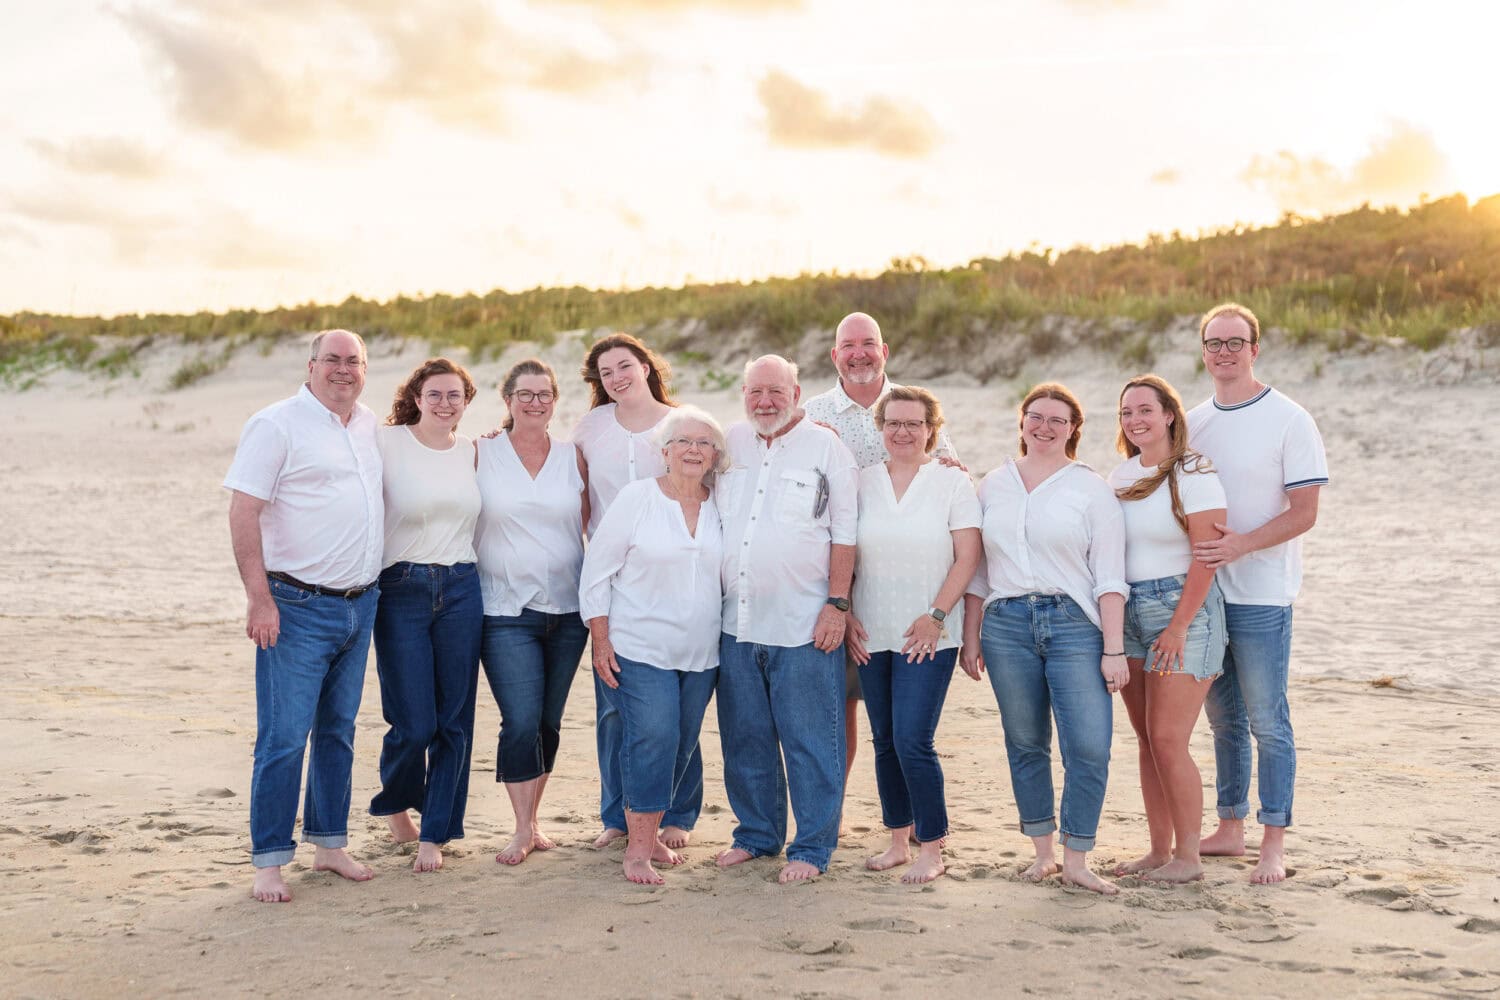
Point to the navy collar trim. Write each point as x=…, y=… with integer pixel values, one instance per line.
x=1240, y=406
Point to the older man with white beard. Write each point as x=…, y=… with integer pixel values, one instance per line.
x=788, y=507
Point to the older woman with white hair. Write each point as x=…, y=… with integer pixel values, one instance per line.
x=651, y=596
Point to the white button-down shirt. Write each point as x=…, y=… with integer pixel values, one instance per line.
x=783, y=504
x=324, y=519
x=855, y=424
x=615, y=457
x=657, y=584
x=1067, y=536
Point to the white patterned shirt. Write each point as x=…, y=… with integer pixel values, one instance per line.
x=855, y=424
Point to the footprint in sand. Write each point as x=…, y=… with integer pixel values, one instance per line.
x=1480, y=925
x=898, y=924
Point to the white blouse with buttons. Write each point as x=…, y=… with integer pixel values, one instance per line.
x=530, y=537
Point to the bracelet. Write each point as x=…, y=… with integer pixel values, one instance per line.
x=1120, y=653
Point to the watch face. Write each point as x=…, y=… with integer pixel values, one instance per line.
x=842, y=603
x=937, y=615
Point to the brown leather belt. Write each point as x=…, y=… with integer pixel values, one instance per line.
x=349, y=594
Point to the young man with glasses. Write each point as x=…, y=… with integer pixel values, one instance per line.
x=307, y=518
x=1269, y=457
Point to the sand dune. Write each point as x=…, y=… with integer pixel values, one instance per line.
x=129, y=719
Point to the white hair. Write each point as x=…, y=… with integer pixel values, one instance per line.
x=790, y=366
x=687, y=413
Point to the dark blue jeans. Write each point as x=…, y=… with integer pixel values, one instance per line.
x=309, y=683
x=661, y=712
x=904, y=701
x=427, y=654
x=530, y=660
x=777, y=702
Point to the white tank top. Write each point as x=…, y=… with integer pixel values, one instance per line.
x=530, y=538
x=431, y=499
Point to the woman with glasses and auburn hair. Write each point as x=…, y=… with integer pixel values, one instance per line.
x=530, y=542
x=428, y=619
x=651, y=595
x=616, y=437
x=1045, y=614
x=1174, y=619
x=918, y=546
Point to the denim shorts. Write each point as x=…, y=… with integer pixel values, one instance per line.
x=1149, y=611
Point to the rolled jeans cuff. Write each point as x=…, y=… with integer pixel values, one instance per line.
x=274, y=858
x=1073, y=842
x=331, y=840
x=1234, y=812
x=1039, y=827
x=1266, y=818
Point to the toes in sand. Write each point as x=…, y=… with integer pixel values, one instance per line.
x=609, y=836
x=896, y=854
x=429, y=858
x=269, y=887
x=338, y=861
x=732, y=856
x=798, y=871
x=675, y=837
x=639, y=871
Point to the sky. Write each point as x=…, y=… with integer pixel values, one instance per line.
x=179, y=155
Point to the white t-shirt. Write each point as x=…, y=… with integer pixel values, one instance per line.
x=906, y=550
x=615, y=457
x=431, y=499
x=776, y=537
x=1262, y=449
x=324, y=518
x=1067, y=536
x=1155, y=544
x=855, y=424
x=657, y=584
x=530, y=537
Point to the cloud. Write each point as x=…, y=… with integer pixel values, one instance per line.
x=799, y=117
x=672, y=6
x=104, y=155
x=1399, y=167
x=740, y=202
x=1166, y=175
x=281, y=76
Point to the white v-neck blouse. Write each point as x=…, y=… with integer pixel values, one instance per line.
x=530, y=534
x=905, y=550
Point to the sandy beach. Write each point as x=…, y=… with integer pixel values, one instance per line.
x=129, y=718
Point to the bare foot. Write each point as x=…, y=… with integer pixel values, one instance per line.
x=1228, y=841
x=403, y=830
x=520, y=845
x=541, y=841
x=797, y=871
x=1176, y=871
x=1147, y=863
x=731, y=857
x=639, y=871
x=664, y=855
x=927, y=867
x=269, y=886
x=337, y=860
x=896, y=854
x=1039, y=869
x=675, y=837
x=1271, y=868
x=609, y=836
x=429, y=858
x=1085, y=879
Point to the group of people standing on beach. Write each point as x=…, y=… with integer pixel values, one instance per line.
x=820, y=552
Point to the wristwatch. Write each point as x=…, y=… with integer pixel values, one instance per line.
x=842, y=603
x=937, y=615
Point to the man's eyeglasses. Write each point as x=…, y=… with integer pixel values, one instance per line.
x=1056, y=423
x=435, y=398
x=910, y=426
x=527, y=396
x=334, y=361
x=1235, y=344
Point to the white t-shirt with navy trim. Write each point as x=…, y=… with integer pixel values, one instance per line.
x=1262, y=449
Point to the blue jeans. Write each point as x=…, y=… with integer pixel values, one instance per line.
x=775, y=701
x=904, y=701
x=309, y=683
x=609, y=735
x=661, y=713
x=1043, y=657
x=1250, y=698
x=427, y=654
x=530, y=660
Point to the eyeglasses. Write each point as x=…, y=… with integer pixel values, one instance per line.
x=334, y=361
x=1056, y=423
x=527, y=396
x=702, y=444
x=1235, y=344
x=434, y=397
x=909, y=426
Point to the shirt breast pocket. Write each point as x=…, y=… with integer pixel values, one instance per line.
x=729, y=490
x=803, y=498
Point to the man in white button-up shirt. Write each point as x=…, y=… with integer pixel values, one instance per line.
x=788, y=506
x=859, y=354
x=306, y=518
